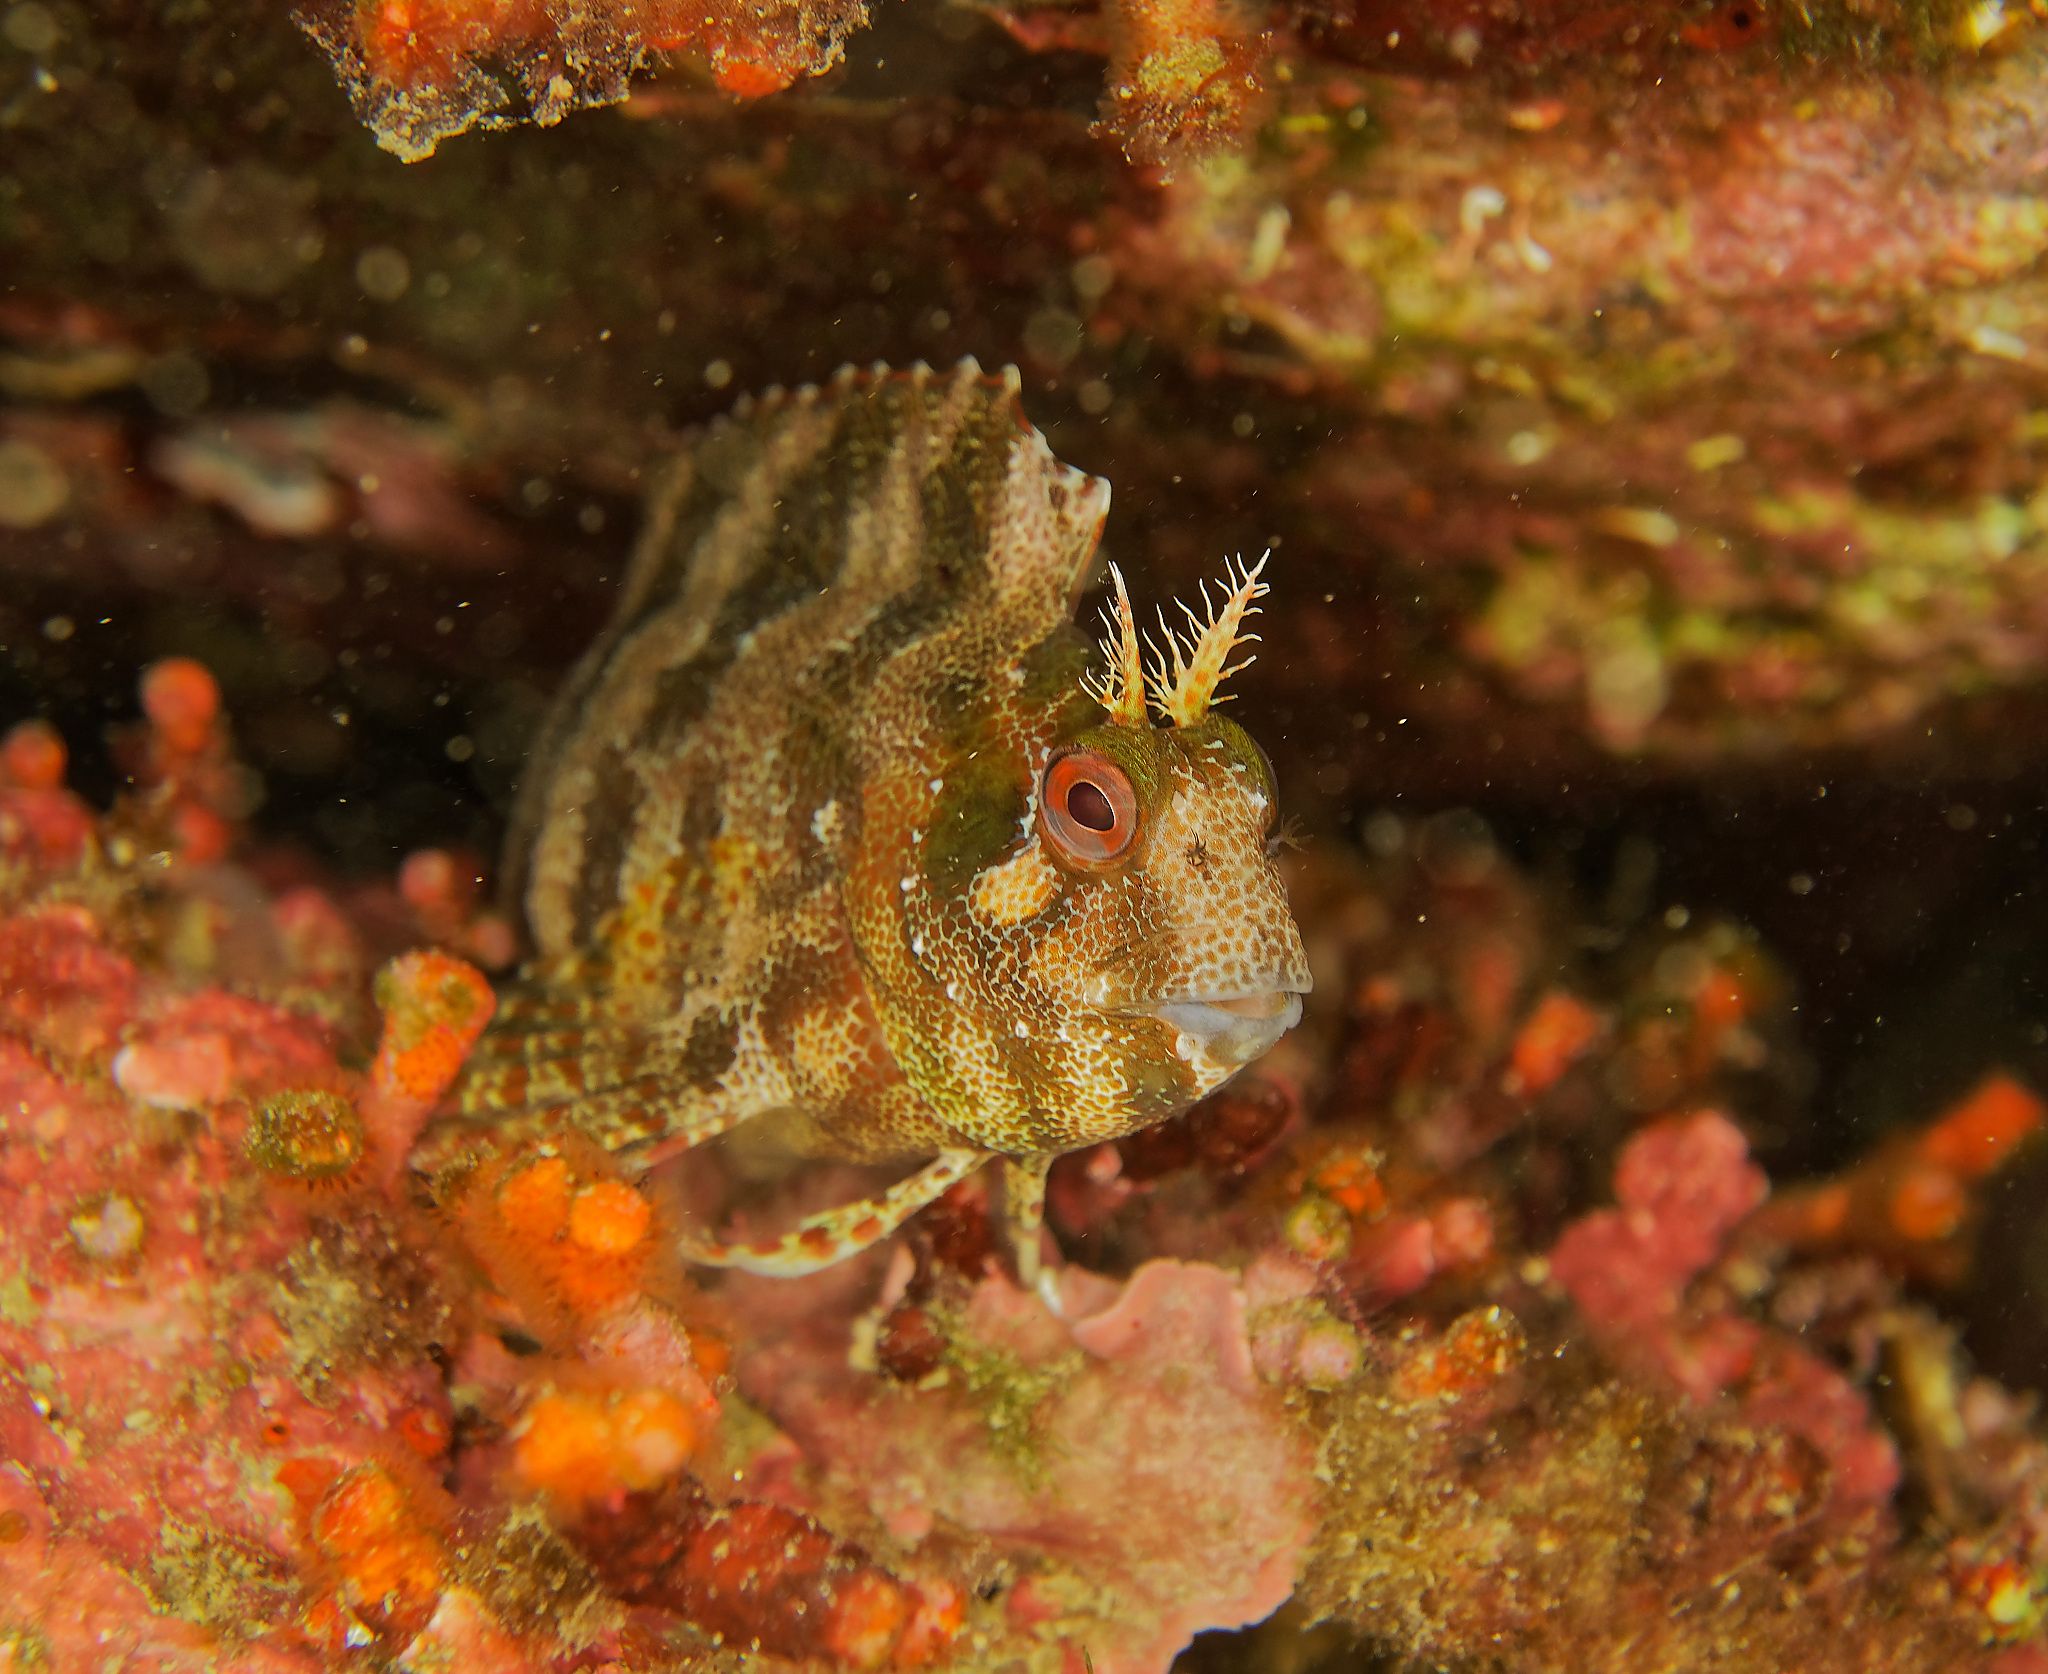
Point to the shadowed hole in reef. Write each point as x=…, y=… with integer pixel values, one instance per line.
x=1284, y=1643
x=386, y=708
x=1908, y=918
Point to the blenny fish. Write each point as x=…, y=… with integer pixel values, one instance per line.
x=836, y=823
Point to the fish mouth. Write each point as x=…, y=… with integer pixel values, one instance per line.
x=1231, y=1028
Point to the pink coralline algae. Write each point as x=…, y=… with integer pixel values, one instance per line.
x=283, y=1388
x=1683, y=1185
x=1043, y=1437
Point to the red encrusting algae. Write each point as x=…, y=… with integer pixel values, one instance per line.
x=1184, y=76
x=771, y=1579
x=422, y=70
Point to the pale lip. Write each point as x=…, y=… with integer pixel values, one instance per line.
x=1232, y=1028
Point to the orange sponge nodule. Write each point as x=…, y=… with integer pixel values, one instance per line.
x=578, y=1445
x=182, y=700
x=32, y=755
x=434, y=1008
x=1981, y=1129
x=379, y=1536
x=608, y=1217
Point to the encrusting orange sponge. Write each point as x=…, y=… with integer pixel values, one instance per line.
x=380, y=1537
x=576, y=1445
x=1912, y=1199
x=434, y=1008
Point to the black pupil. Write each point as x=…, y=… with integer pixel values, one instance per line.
x=1088, y=806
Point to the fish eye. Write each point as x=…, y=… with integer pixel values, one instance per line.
x=1086, y=807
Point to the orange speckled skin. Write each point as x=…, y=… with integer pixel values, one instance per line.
x=781, y=849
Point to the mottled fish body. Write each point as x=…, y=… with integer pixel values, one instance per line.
x=832, y=825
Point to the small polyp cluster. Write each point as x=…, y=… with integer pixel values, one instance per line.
x=557, y=1232
x=309, y=1136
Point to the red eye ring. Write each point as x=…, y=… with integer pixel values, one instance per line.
x=1086, y=807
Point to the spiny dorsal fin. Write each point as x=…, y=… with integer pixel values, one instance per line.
x=913, y=493
x=945, y=462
